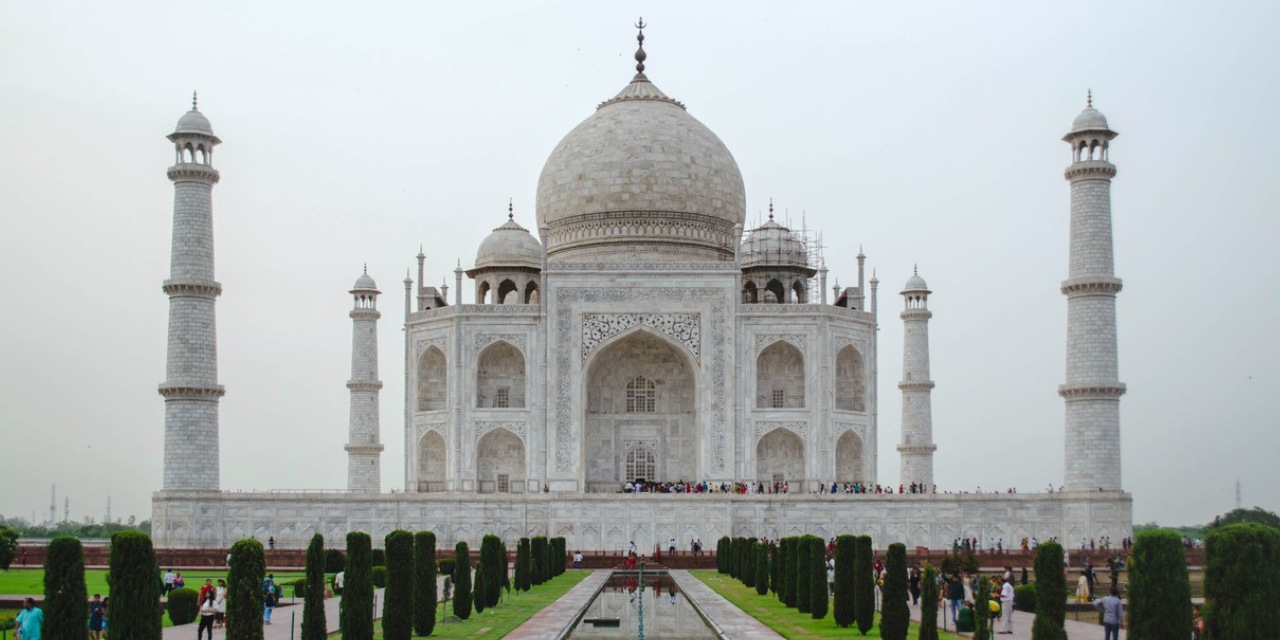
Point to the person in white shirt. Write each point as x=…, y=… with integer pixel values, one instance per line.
x=1006, y=606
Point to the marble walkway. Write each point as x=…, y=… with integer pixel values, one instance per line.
x=556, y=618
x=727, y=619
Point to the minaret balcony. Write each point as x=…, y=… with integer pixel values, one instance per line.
x=193, y=288
x=1095, y=285
x=192, y=392
x=1102, y=391
x=194, y=171
x=364, y=385
x=1090, y=169
x=915, y=385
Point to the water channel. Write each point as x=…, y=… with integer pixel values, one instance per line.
x=668, y=614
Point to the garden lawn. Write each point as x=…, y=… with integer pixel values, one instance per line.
x=30, y=582
x=514, y=608
x=788, y=622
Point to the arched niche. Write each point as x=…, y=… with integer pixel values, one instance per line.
x=431, y=462
x=640, y=391
x=500, y=462
x=780, y=458
x=780, y=377
x=800, y=294
x=750, y=293
x=482, y=292
x=508, y=293
x=432, y=380
x=850, y=461
x=500, y=377
x=531, y=293
x=775, y=292
x=851, y=384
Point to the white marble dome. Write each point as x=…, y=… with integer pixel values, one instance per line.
x=364, y=283
x=509, y=245
x=638, y=174
x=915, y=283
x=772, y=244
x=194, y=122
x=1089, y=120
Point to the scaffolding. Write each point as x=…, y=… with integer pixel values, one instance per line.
x=811, y=240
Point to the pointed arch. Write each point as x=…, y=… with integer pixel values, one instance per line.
x=850, y=459
x=431, y=462
x=432, y=380
x=851, y=385
x=500, y=462
x=776, y=292
x=500, y=377
x=505, y=289
x=531, y=293
x=780, y=377
x=780, y=458
x=482, y=292
x=750, y=293
x=800, y=292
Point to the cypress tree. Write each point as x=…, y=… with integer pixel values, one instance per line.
x=789, y=578
x=494, y=563
x=804, y=579
x=478, y=588
x=842, y=605
x=66, y=615
x=895, y=616
x=1159, y=587
x=462, y=581
x=762, y=568
x=539, y=573
x=548, y=561
x=135, y=589
x=749, y=563
x=244, y=592
x=1051, y=594
x=817, y=578
x=424, y=583
x=523, y=565
x=357, y=590
x=723, y=548
x=929, y=604
x=981, y=610
x=561, y=554
x=775, y=567
x=314, y=626
x=1241, y=581
x=864, y=585
x=397, y=602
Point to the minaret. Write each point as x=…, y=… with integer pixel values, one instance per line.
x=1093, y=389
x=917, y=409
x=364, y=451
x=191, y=390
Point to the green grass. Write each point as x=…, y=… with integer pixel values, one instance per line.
x=30, y=582
x=510, y=613
x=788, y=622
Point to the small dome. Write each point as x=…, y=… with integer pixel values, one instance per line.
x=772, y=244
x=194, y=122
x=1089, y=120
x=365, y=283
x=915, y=283
x=510, y=245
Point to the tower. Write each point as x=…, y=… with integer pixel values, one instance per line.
x=364, y=451
x=917, y=411
x=191, y=390
x=1092, y=390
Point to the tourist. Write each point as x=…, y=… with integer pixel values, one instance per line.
x=831, y=580
x=913, y=580
x=1006, y=606
x=955, y=593
x=337, y=582
x=577, y=559
x=168, y=581
x=271, y=542
x=220, y=602
x=208, y=615
x=106, y=613
x=178, y=582
x=95, y=617
x=206, y=589
x=268, y=600
x=671, y=546
x=29, y=622
x=1112, y=614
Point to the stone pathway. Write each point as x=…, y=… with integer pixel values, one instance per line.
x=1076, y=630
x=555, y=620
x=728, y=620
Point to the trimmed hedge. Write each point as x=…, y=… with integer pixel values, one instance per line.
x=462, y=581
x=818, y=601
x=1024, y=598
x=722, y=554
x=1242, y=582
x=959, y=563
x=182, y=607
x=982, y=610
x=788, y=589
x=424, y=583
x=524, y=565
x=135, y=588
x=65, y=614
x=560, y=555
x=314, y=626
x=357, y=600
x=928, y=604
x=762, y=568
x=379, y=575
x=445, y=566
x=804, y=581
x=842, y=604
x=1159, y=587
x=244, y=592
x=494, y=564
x=775, y=567
x=895, y=615
x=397, y=603
x=1051, y=594
x=539, y=573
x=478, y=588
x=864, y=585
x=334, y=561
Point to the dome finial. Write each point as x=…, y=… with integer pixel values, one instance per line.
x=640, y=56
x=366, y=268
x=193, y=101
x=1088, y=100
x=511, y=215
x=915, y=270
x=770, y=208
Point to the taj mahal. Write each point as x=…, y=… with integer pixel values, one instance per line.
x=639, y=328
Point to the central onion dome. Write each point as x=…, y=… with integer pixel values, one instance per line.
x=641, y=180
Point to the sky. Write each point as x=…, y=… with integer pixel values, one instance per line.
x=927, y=133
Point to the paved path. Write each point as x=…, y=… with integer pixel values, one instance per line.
x=1076, y=630
x=555, y=620
x=727, y=619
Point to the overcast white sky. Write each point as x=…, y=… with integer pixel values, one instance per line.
x=926, y=132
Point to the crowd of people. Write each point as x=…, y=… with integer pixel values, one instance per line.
x=641, y=485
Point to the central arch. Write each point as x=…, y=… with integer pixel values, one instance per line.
x=500, y=462
x=431, y=463
x=780, y=458
x=640, y=391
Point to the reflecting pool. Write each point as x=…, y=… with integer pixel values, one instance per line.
x=668, y=615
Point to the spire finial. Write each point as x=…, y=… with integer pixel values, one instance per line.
x=194, y=101
x=915, y=270
x=511, y=214
x=770, y=208
x=640, y=56
x=1088, y=100
x=366, y=268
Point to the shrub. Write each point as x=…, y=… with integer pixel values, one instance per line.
x=842, y=605
x=1024, y=598
x=183, y=606
x=895, y=616
x=928, y=604
x=8, y=546
x=334, y=561
x=789, y=572
x=864, y=585
x=244, y=592
x=749, y=562
x=762, y=568
x=494, y=565
x=65, y=614
x=1159, y=587
x=722, y=554
x=135, y=591
x=982, y=610
x=379, y=576
x=8, y=621
x=1241, y=582
x=397, y=603
x=524, y=565
x=462, y=580
x=478, y=588
x=539, y=573
x=357, y=601
x=817, y=578
x=804, y=581
x=424, y=583
x=445, y=566
x=775, y=567
x=959, y=563
x=1051, y=594
x=379, y=557
x=559, y=553
x=314, y=626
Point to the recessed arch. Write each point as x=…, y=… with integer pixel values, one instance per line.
x=500, y=462
x=800, y=294
x=780, y=377
x=750, y=293
x=780, y=458
x=432, y=380
x=482, y=292
x=531, y=293
x=500, y=377
x=775, y=292
x=850, y=459
x=851, y=385
x=505, y=290
x=431, y=462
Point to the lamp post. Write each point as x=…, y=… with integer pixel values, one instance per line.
x=640, y=585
